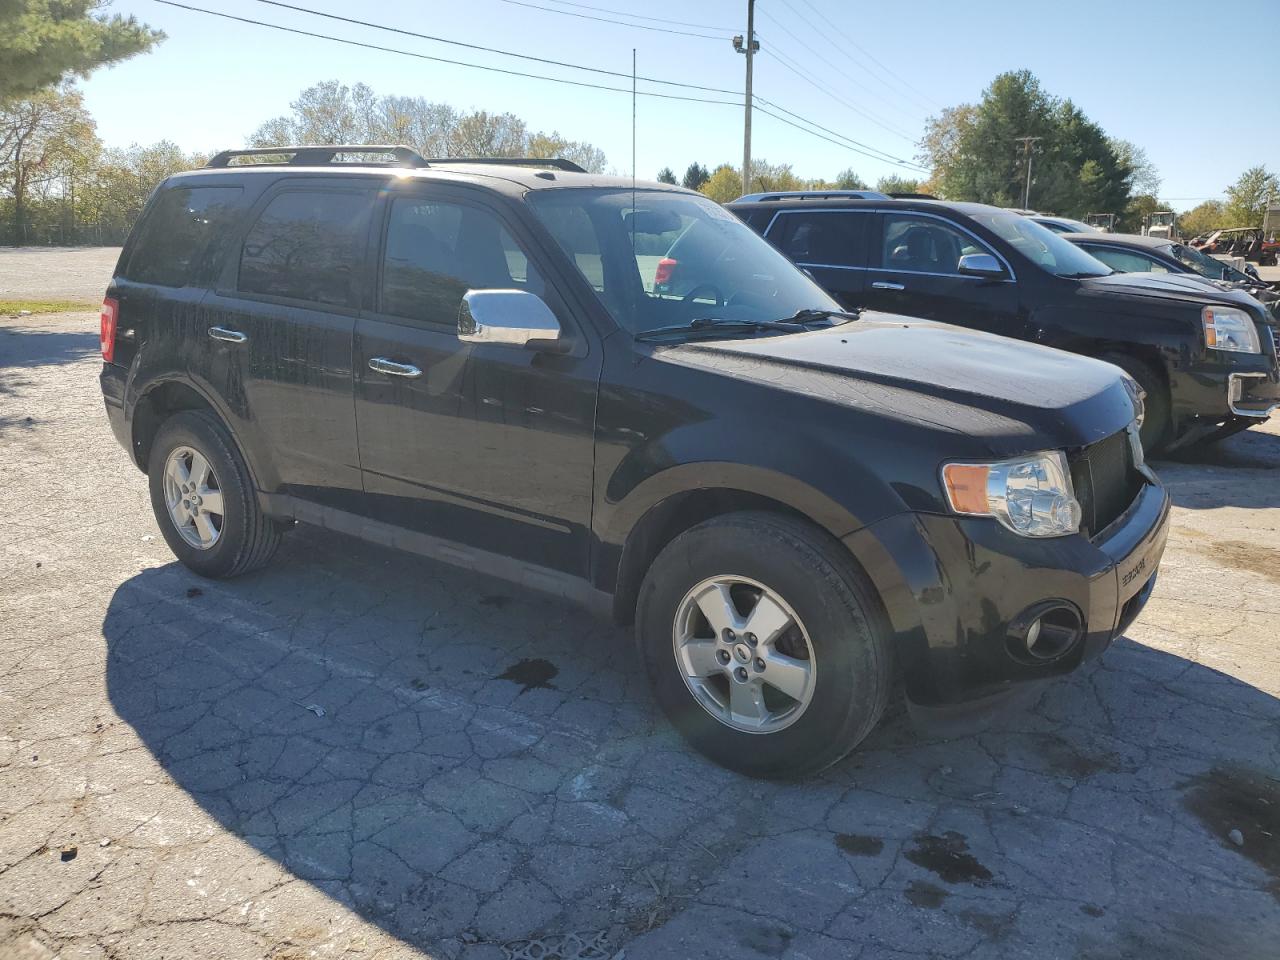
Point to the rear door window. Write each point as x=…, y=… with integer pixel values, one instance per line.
x=821, y=239
x=181, y=235
x=308, y=245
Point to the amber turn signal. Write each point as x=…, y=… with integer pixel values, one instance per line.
x=967, y=487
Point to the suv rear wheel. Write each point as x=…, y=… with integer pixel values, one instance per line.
x=763, y=644
x=203, y=498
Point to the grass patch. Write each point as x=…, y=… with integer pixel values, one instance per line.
x=12, y=308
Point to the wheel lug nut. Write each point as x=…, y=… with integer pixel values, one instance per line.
x=729, y=635
x=741, y=674
x=751, y=639
x=722, y=656
x=759, y=663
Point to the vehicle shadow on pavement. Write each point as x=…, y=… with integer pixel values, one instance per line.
x=23, y=347
x=467, y=765
x=1195, y=477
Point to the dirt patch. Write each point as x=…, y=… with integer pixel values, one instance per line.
x=1239, y=555
x=1241, y=807
x=948, y=856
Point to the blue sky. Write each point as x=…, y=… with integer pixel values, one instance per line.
x=1134, y=68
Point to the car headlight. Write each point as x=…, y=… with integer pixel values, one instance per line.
x=1031, y=495
x=1227, y=328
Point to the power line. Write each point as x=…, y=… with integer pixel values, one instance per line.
x=864, y=149
x=925, y=98
x=899, y=163
x=423, y=56
x=790, y=64
x=497, y=50
x=621, y=23
x=636, y=16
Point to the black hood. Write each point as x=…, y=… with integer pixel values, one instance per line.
x=1015, y=397
x=1166, y=286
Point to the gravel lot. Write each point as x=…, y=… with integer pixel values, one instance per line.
x=359, y=753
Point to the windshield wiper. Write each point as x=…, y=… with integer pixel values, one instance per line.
x=810, y=313
x=712, y=326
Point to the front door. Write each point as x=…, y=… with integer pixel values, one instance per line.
x=914, y=270
x=486, y=445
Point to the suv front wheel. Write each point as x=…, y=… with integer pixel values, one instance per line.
x=763, y=644
x=204, y=500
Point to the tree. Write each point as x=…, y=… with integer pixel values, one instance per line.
x=766, y=176
x=117, y=188
x=552, y=145
x=976, y=151
x=1203, y=218
x=666, y=175
x=896, y=184
x=1145, y=178
x=1249, y=196
x=846, y=179
x=42, y=42
x=695, y=176
x=332, y=112
x=42, y=138
x=724, y=184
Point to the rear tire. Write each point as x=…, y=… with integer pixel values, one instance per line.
x=1157, y=421
x=789, y=572
x=204, y=498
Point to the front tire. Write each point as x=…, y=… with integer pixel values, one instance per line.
x=765, y=644
x=1158, y=418
x=204, y=500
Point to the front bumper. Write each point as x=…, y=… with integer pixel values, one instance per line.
x=1225, y=385
x=955, y=588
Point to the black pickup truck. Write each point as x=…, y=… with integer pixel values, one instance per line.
x=795, y=505
x=1205, y=357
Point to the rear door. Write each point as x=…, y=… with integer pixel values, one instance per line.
x=914, y=270
x=486, y=445
x=279, y=328
x=830, y=244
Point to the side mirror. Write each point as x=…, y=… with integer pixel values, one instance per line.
x=980, y=265
x=513, y=317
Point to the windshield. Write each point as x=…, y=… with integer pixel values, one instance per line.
x=1042, y=246
x=659, y=258
x=1206, y=265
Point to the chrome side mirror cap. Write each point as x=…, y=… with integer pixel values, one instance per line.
x=516, y=318
x=980, y=265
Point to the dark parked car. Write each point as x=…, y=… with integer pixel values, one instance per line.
x=795, y=505
x=1130, y=253
x=1205, y=357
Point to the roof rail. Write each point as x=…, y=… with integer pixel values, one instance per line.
x=554, y=163
x=312, y=155
x=812, y=195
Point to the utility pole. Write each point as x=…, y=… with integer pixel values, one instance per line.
x=1028, y=145
x=749, y=48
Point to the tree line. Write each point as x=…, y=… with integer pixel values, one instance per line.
x=62, y=185
x=979, y=152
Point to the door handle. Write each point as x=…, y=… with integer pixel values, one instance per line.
x=383, y=365
x=886, y=285
x=231, y=336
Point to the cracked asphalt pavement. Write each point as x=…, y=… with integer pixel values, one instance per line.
x=360, y=753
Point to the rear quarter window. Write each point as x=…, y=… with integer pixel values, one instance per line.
x=181, y=234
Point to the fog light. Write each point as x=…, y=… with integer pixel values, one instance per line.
x=1045, y=631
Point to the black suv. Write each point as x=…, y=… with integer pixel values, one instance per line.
x=796, y=506
x=1205, y=357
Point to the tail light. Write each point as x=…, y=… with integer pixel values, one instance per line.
x=107, y=332
x=662, y=275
